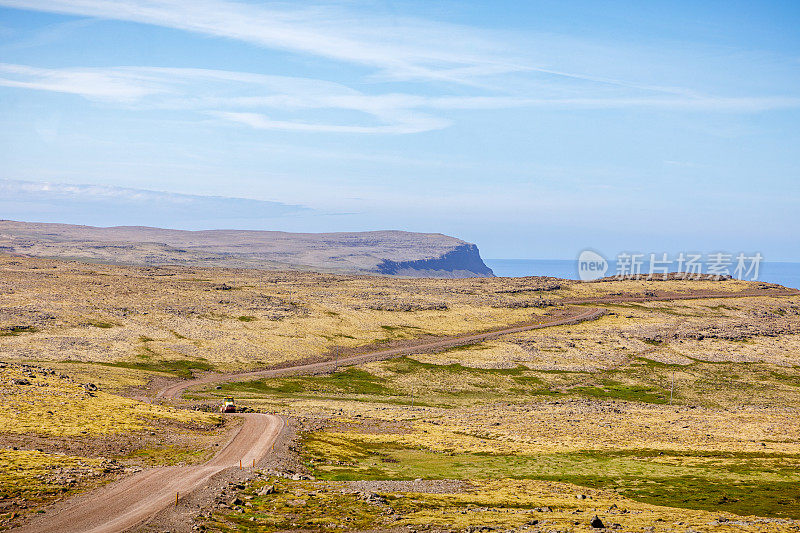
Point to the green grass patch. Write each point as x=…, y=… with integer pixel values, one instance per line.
x=620, y=391
x=351, y=380
x=13, y=331
x=296, y=506
x=744, y=483
x=178, y=367
x=246, y=318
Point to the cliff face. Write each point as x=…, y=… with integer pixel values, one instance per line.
x=462, y=262
x=390, y=253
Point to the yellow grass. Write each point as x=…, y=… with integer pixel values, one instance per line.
x=54, y=406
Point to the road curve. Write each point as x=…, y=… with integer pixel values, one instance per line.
x=175, y=390
x=134, y=499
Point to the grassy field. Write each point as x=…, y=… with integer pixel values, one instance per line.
x=63, y=433
x=499, y=504
x=177, y=319
x=682, y=414
x=669, y=405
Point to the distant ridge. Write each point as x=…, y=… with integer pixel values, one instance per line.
x=390, y=253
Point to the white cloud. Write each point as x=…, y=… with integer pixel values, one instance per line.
x=117, y=205
x=400, y=48
x=103, y=84
x=225, y=94
x=283, y=102
x=553, y=72
x=412, y=124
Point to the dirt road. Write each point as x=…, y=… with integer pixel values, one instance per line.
x=132, y=500
x=580, y=315
x=174, y=391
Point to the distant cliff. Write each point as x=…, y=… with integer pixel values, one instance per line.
x=464, y=261
x=390, y=253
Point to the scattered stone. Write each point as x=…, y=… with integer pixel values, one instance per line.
x=596, y=522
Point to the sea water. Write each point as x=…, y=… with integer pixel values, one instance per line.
x=787, y=274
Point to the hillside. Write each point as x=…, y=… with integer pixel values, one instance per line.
x=394, y=253
x=674, y=408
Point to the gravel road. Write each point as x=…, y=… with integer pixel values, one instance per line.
x=133, y=499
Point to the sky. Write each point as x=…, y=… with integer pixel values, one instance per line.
x=534, y=129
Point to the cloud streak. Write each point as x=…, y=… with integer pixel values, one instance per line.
x=442, y=52
x=268, y=102
x=103, y=204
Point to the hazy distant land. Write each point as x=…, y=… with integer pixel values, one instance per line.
x=393, y=253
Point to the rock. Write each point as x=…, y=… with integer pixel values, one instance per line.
x=372, y=497
x=89, y=387
x=21, y=382
x=268, y=489
x=596, y=522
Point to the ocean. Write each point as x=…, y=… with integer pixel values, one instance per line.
x=787, y=274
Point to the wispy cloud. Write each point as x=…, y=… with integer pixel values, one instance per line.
x=282, y=102
x=28, y=200
x=394, y=47
x=236, y=97
x=438, y=51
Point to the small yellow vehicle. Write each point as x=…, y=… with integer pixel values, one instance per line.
x=227, y=405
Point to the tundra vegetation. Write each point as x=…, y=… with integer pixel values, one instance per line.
x=669, y=415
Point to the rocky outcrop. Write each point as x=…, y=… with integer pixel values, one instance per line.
x=464, y=261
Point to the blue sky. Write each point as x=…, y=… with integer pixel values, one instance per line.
x=534, y=129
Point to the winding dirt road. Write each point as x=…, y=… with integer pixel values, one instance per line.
x=134, y=499
x=580, y=315
x=174, y=391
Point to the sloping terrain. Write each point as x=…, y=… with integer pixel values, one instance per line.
x=376, y=252
x=672, y=406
